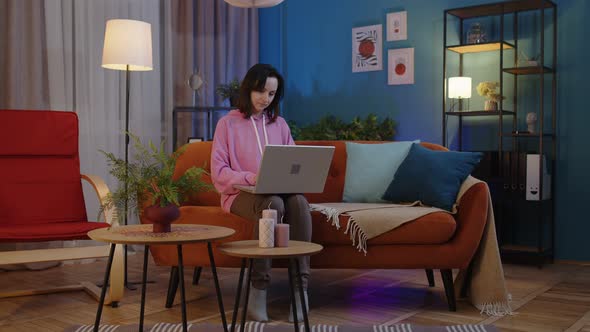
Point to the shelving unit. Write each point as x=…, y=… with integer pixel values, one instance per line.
x=516, y=217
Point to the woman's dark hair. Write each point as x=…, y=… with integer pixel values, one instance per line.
x=255, y=80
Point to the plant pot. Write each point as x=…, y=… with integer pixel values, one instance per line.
x=491, y=105
x=161, y=217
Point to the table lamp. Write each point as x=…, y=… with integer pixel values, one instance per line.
x=459, y=88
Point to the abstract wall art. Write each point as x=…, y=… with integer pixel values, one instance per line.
x=397, y=26
x=367, y=48
x=400, y=66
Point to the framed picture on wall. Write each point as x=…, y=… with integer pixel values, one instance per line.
x=367, y=48
x=400, y=66
x=397, y=26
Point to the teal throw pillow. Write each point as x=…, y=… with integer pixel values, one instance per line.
x=431, y=177
x=370, y=169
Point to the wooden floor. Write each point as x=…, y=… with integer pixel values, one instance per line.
x=555, y=298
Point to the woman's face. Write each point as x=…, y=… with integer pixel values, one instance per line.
x=262, y=99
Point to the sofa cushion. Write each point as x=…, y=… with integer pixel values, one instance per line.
x=370, y=169
x=431, y=177
x=434, y=228
x=48, y=231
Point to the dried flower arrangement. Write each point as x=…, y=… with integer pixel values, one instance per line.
x=489, y=90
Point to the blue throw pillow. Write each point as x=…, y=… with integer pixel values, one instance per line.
x=431, y=177
x=370, y=168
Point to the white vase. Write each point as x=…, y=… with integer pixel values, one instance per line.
x=491, y=105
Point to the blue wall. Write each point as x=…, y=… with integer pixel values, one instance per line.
x=573, y=172
x=310, y=42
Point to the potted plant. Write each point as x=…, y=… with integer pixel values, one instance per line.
x=147, y=180
x=489, y=90
x=229, y=91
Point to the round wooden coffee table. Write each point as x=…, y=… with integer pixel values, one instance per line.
x=143, y=234
x=249, y=250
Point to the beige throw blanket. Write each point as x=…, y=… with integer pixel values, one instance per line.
x=368, y=220
x=486, y=289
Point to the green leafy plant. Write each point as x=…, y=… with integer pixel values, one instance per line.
x=149, y=178
x=330, y=127
x=229, y=91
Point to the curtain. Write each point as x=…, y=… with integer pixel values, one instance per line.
x=75, y=36
x=23, y=59
x=214, y=39
x=52, y=60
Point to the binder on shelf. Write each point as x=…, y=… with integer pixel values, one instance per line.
x=533, y=178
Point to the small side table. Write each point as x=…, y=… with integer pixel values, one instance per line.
x=143, y=234
x=249, y=250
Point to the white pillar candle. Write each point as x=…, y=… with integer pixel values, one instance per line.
x=270, y=213
x=266, y=233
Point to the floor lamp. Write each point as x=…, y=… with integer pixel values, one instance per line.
x=128, y=47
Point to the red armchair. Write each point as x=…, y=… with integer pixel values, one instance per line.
x=41, y=195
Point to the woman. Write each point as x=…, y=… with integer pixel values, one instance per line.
x=240, y=138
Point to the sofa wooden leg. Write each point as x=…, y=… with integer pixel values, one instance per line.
x=197, y=275
x=447, y=277
x=430, y=276
x=172, y=286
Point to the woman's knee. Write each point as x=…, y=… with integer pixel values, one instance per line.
x=274, y=202
x=297, y=201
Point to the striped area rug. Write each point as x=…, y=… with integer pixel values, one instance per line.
x=263, y=327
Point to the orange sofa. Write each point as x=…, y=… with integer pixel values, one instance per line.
x=435, y=241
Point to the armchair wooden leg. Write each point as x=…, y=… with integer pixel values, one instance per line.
x=447, y=277
x=116, y=281
x=197, y=275
x=172, y=286
x=116, y=288
x=430, y=276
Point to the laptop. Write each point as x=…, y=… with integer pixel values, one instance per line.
x=292, y=169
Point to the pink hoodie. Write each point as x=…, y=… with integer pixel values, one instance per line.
x=235, y=156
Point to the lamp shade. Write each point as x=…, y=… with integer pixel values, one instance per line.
x=459, y=87
x=253, y=3
x=127, y=43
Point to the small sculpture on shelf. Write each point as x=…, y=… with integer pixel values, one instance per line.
x=531, y=122
x=489, y=90
x=523, y=60
x=195, y=82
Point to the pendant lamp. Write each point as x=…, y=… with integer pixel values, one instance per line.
x=253, y=3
